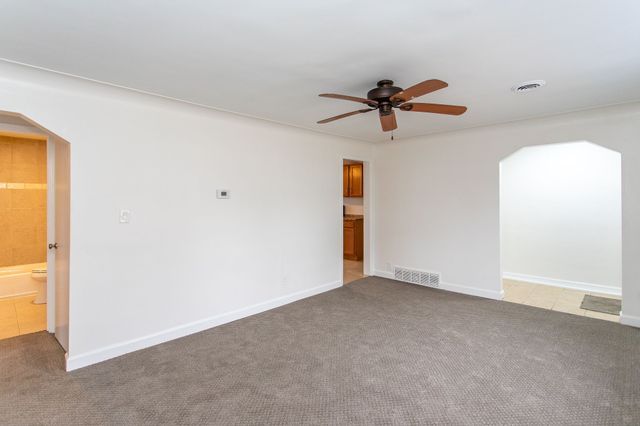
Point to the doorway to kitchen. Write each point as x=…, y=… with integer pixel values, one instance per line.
x=353, y=218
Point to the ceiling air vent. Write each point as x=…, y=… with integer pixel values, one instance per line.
x=528, y=86
x=424, y=278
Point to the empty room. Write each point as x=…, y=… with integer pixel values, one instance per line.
x=320, y=213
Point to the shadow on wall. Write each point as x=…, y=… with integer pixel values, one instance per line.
x=561, y=216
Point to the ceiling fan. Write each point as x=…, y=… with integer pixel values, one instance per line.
x=386, y=96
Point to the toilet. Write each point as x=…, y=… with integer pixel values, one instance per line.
x=40, y=275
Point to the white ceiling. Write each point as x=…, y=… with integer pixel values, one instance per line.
x=270, y=59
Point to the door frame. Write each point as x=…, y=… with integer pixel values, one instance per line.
x=51, y=235
x=367, y=204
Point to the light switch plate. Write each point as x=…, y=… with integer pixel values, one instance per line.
x=125, y=216
x=223, y=193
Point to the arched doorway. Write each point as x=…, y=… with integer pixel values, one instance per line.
x=36, y=206
x=560, y=224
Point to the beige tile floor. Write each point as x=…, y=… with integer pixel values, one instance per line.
x=553, y=298
x=19, y=315
x=352, y=270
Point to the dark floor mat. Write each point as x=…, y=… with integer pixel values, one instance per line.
x=605, y=305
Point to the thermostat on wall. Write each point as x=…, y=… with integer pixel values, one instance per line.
x=222, y=193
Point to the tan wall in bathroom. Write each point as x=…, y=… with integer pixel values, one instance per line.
x=23, y=201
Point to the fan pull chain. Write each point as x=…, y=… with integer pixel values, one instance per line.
x=392, y=135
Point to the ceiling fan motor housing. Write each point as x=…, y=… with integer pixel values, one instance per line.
x=382, y=93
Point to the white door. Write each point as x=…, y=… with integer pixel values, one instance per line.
x=61, y=243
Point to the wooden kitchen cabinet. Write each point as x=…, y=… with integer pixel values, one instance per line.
x=353, y=241
x=345, y=181
x=352, y=180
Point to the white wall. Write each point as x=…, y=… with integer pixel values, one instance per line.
x=437, y=197
x=560, y=212
x=187, y=260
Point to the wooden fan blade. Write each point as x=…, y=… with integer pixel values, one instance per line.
x=349, y=98
x=348, y=114
x=434, y=108
x=419, y=89
x=388, y=122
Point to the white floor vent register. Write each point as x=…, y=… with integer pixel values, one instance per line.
x=427, y=279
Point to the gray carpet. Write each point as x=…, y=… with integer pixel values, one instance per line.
x=605, y=305
x=374, y=352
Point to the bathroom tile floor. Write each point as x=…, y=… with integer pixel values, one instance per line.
x=553, y=298
x=19, y=315
x=352, y=270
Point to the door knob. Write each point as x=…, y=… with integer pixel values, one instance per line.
x=53, y=246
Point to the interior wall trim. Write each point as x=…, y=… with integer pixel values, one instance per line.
x=74, y=362
x=456, y=288
x=574, y=285
x=629, y=320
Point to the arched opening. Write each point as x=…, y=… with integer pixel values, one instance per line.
x=34, y=222
x=560, y=224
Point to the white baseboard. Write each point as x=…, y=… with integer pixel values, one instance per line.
x=92, y=357
x=473, y=291
x=629, y=320
x=575, y=285
x=384, y=274
x=456, y=288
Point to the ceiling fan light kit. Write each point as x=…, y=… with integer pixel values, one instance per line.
x=385, y=97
